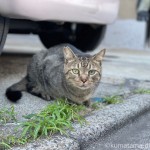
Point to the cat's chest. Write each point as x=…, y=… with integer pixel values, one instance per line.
x=79, y=94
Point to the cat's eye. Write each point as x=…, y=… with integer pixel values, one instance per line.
x=92, y=72
x=75, y=71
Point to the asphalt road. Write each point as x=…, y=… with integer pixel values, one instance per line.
x=134, y=136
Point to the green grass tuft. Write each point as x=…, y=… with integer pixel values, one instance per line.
x=142, y=91
x=113, y=99
x=7, y=115
x=95, y=105
x=56, y=117
x=9, y=141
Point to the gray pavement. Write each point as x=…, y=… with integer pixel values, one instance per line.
x=99, y=124
x=13, y=68
x=127, y=63
x=117, y=67
x=123, y=71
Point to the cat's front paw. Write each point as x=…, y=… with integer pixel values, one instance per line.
x=46, y=96
x=87, y=103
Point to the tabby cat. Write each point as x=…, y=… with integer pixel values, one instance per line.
x=63, y=71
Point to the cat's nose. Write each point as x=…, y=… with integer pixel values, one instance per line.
x=83, y=79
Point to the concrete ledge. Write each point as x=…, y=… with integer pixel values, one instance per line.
x=99, y=123
x=55, y=143
x=109, y=118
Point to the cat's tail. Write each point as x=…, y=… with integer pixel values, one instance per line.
x=13, y=93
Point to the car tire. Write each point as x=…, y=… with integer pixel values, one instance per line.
x=88, y=37
x=4, y=26
x=85, y=37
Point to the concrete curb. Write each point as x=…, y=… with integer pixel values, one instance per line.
x=111, y=117
x=99, y=123
x=54, y=143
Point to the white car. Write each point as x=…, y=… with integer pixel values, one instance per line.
x=79, y=22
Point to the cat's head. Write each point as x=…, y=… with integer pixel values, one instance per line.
x=82, y=71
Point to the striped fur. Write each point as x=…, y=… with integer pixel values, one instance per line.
x=62, y=71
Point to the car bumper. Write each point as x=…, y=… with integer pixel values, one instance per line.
x=84, y=11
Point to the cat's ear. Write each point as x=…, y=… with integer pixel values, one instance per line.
x=68, y=54
x=99, y=56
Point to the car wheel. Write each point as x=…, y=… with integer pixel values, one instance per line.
x=88, y=37
x=83, y=36
x=4, y=26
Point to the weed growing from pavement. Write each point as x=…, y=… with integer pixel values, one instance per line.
x=54, y=118
x=7, y=115
x=141, y=91
x=115, y=99
x=9, y=141
x=95, y=105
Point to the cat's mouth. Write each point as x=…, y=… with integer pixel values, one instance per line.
x=83, y=86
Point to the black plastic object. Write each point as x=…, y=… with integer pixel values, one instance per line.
x=4, y=26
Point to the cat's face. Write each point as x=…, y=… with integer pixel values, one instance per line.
x=82, y=72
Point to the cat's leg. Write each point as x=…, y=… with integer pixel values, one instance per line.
x=87, y=103
x=37, y=91
x=33, y=90
x=74, y=102
x=46, y=96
